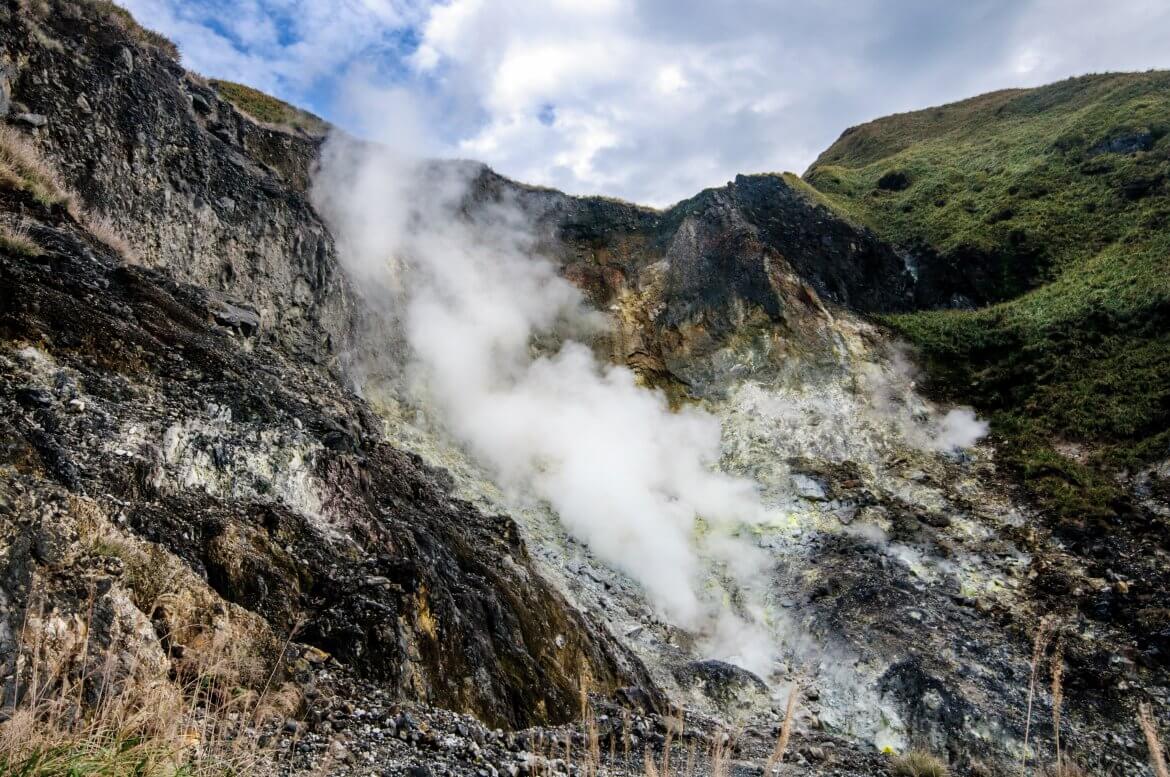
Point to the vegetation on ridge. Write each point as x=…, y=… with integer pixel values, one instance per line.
x=1057, y=198
x=268, y=109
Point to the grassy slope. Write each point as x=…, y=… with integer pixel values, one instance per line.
x=1079, y=350
x=268, y=109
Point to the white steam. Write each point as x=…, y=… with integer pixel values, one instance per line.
x=959, y=428
x=893, y=395
x=633, y=479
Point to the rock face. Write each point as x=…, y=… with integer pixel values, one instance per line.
x=720, y=681
x=197, y=421
x=189, y=183
x=723, y=245
x=759, y=255
x=269, y=481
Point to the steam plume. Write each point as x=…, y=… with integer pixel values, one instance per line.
x=470, y=296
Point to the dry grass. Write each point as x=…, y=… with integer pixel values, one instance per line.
x=24, y=168
x=1057, y=671
x=777, y=756
x=1066, y=768
x=102, y=228
x=670, y=758
x=128, y=24
x=918, y=763
x=1150, y=729
x=37, y=8
x=117, y=702
x=81, y=710
x=1040, y=644
x=17, y=242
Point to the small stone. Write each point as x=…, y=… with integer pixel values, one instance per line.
x=937, y=520
x=846, y=513
x=200, y=103
x=83, y=104
x=315, y=655
x=808, y=488
x=236, y=317
x=34, y=120
x=32, y=397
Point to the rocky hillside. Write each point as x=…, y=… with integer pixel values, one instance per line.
x=170, y=306
x=234, y=539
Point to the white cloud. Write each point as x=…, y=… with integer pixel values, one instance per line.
x=283, y=46
x=653, y=100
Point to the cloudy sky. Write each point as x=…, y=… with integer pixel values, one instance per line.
x=648, y=100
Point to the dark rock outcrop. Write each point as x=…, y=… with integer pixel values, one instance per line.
x=221, y=457
x=192, y=185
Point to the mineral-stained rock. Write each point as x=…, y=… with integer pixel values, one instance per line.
x=724, y=683
x=459, y=621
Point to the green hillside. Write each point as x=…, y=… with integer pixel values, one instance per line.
x=1049, y=209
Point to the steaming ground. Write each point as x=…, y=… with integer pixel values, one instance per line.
x=692, y=532
x=625, y=474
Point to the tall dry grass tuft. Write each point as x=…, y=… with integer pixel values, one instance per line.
x=1067, y=768
x=102, y=229
x=777, y=756
x=919, y=763
x=24, y=168
x=592, y=764
x=720, y=761
x=1040, y=644
x=1057, y=673
x=1153, y=743
x=80, y=708
x=15, y=241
